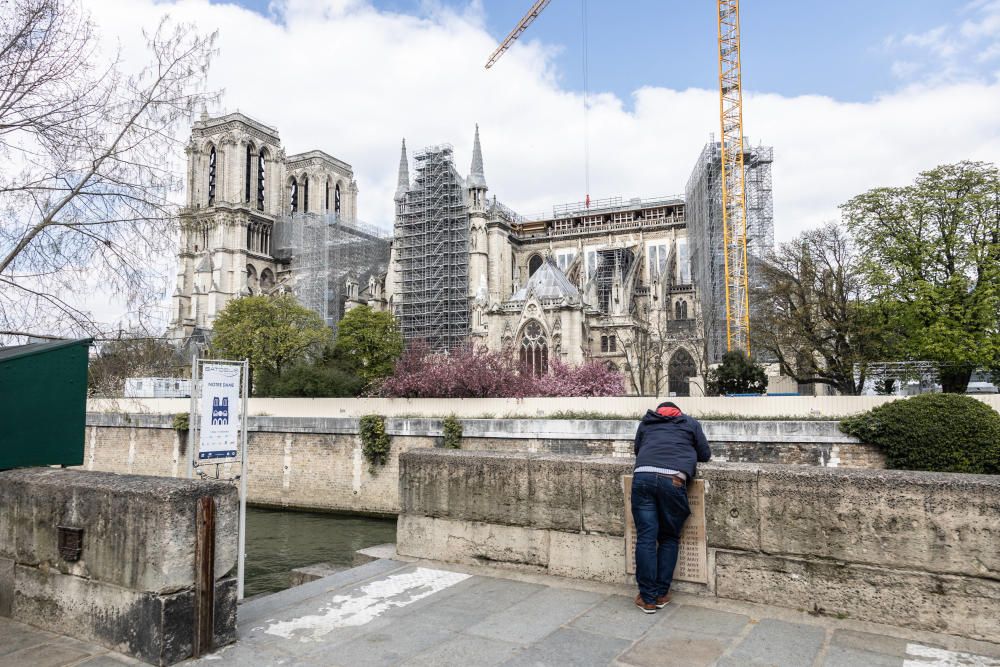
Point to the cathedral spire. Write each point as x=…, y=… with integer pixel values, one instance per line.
x=477, y=179
x=403, y=183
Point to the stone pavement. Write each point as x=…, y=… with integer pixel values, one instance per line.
x=388, y=612
x=26, y=646
x=394, y=613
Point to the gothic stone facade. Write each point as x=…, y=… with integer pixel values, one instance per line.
x=605, y=280
x=239, y=183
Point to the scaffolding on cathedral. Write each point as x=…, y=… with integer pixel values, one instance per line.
x=432, y=237
x=703, y=197
x=322, y=251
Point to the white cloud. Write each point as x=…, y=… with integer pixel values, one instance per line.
x=343, y=77
x=960, y=50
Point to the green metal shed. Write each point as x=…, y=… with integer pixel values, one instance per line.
x=43, y=403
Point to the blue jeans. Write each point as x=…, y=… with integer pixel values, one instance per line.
x=659, y=509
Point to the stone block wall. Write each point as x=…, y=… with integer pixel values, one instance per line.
x=912, y=549
x=131, y=589
x=316, y=463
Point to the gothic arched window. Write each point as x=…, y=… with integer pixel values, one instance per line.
x=305, y=194
x=261, y=157
x=266, y=279
x=294, y=196
x=684, y=310
x=680, y=370
x=677, y=310
x=326, y=197
x=534, y=352
x=212, y=167
x=534, y=264
x=336, y=199
x=247, y=189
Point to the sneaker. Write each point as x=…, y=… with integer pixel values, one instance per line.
x=644, y=606
x=663, y=601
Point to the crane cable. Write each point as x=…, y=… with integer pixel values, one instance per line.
x=586, y=108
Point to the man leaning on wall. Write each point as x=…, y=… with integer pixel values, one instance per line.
x=668, y=447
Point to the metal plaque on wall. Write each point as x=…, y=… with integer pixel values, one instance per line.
x=692, y=558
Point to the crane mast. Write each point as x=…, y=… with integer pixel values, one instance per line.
x=734, y=205
x=734, y=208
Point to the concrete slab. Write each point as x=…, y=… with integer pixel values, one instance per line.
x=703, y=621
x=838, y=656
x=43, y=655
x=568, y=646
x=675, y=648
x=462, y=651
x=391, y=646
x=777, y=643
x=536, y=616
x=617, y=616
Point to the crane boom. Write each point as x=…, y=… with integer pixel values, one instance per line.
x=532, y=14
x=734, y=210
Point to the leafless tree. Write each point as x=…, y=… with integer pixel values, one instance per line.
x=89, y=165
x=812, y=315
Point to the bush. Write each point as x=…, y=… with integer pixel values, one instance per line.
x=182, y=421
x=375, y=441
x=936, y=432
x=311, y=381
x=737, y=374
x=452, y=432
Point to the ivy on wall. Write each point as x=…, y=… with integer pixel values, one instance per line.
x=452, y=432
x=375, y=442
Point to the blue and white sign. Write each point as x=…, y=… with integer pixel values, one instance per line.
x=219, y=432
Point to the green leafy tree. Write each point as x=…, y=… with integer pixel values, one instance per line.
x=932, y=259
x=273, y=332
x=327, y=377
x=369, y=342
x=737, y=374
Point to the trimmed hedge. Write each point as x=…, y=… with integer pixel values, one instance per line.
x=934, y=432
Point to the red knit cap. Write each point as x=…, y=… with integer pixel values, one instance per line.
x=668, y=411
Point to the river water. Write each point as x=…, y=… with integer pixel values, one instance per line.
x=279, y=541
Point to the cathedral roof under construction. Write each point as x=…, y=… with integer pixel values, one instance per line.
x=548, y=282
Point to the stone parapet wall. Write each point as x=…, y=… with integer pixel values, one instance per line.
x=316, y=463
x=781, y=407
x=912, y=549
x=131, y=588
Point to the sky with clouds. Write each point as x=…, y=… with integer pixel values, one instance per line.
x=852, y=95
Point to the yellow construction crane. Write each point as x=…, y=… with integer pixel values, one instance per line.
x=734, y=209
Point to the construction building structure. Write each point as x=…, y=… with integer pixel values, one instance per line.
x=703, y=196
x=631, y=283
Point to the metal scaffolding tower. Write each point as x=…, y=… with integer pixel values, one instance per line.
x=432, y=248
x=703, y=197
x=322, y=251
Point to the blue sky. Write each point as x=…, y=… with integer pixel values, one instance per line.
x=790, y=47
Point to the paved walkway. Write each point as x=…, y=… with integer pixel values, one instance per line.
x=394, y=613
x=26, y=646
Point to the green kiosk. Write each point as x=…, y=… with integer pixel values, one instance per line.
x=43, y=403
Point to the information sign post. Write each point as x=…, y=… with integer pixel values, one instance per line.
x=218, y=421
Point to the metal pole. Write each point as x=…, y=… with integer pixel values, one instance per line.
x=193, y=418
x=241, y=550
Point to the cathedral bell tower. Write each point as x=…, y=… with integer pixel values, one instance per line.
x=479, y=288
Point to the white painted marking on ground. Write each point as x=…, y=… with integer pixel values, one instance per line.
x=373, y=600
x=919, y=655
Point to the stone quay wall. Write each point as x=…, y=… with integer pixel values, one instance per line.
x=317, y=464
x=132, y=587
x=912, y=549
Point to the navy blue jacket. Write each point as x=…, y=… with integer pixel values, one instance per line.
x=677, y=443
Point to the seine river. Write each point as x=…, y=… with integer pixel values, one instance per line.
x=279, y=541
